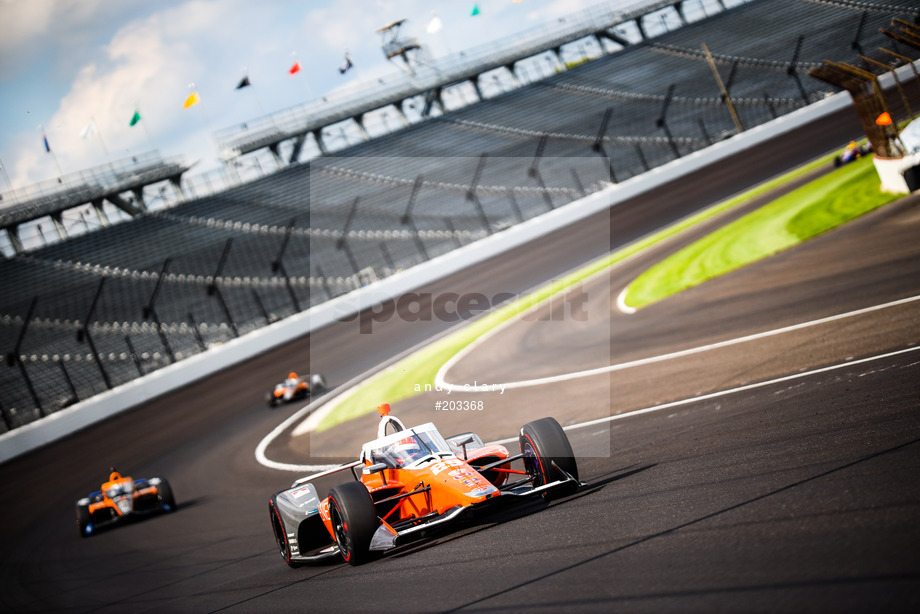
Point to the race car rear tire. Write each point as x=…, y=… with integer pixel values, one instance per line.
x=165, y=495
x=544, y=443
x=354, y=521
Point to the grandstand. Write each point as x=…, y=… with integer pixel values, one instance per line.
x=91, y=311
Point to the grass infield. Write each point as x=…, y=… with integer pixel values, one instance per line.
x=823, y=204
x=829, y=201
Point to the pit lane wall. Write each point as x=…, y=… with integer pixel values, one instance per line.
x=177, y=375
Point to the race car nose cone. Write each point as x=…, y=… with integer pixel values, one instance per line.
x=124, y=506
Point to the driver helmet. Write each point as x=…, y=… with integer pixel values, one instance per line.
x=406, y=450
x=292, y=375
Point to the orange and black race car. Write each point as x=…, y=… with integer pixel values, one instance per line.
x=122, y=498
x=411, y=480
x=295, y=388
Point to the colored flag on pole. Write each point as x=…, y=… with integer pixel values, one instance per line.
x=192, y=99
x=88, y=130
x=345, y=66
x=45, y=141
x=434, y=26
x=243, y=83
x=295, y=68
x=135, y=118
x=475, y=10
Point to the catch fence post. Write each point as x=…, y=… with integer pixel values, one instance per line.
x=150, y=311
x=473, y=198
x=14, y=358
x=407, y=218
x=83, y=332
x=134, y=356
x=278, y=266
x=214, y=289
x=534, y=171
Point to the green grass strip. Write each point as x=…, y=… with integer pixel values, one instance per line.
x=817, y=207
x=399, y=381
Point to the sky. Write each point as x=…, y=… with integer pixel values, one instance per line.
x=69, y=64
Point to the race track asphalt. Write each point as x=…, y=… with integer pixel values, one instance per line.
x=795, y=495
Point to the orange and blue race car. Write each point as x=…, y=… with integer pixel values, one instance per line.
x=411, y=480
x=122, y=498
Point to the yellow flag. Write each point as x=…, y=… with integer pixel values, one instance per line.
x=192, y=99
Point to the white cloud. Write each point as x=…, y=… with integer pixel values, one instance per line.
x=28, y=27
x=147, y=65
x=21, y=23
x=102, y=57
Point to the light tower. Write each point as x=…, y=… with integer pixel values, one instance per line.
x=395, y=46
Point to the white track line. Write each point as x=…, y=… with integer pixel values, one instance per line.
x=729, y=391
x=441, y=381
x=263, y=445
x=621, y=302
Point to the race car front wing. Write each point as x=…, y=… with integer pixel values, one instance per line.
x=308, y=540
x=388, y=537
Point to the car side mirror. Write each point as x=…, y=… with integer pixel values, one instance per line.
x=376, y=468
x=464, y=442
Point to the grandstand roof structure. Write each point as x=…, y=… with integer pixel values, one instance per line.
x=428, y=80
x=113, y=303
x=108, y=183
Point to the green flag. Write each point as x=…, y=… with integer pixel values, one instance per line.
x=475, y=10
x=135, y=118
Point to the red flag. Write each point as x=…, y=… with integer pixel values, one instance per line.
x=295, y=68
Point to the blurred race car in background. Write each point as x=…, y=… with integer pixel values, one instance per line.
x=295, y=388
x=122, y=498
x=411, y=480
x=851, y=152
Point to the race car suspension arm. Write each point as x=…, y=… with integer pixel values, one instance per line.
x=568, y=477
x=402, y=497
x=567, y=474
x=499, y=463
x=513, y=485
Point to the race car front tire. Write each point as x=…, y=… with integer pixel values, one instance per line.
x=165, y=495
x=544, y=444
x=280, y=533
x=354, y=521
x=83, y=520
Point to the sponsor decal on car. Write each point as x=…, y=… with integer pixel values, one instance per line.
x=482, y=490
x=444, y=465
